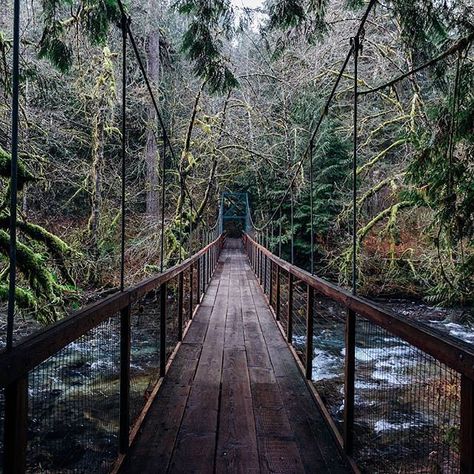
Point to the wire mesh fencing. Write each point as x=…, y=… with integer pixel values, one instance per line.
x=73, y=416
x=407, y=403
x=195, y=277
x=299, y=336
x=268, y=276
x=274, y=283
x=407, y=406
x=283, y=307
x=172, y=322
x=187, y=306
x=328, y=354
x=144, y=350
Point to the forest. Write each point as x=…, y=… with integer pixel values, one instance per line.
x=240, y=86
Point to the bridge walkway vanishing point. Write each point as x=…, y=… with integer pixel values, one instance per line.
x=234, y=399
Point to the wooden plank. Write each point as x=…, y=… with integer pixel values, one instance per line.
x=196, y=441
x=278, y=451
x=234, y=398
x=315, y=442
x=154, y=445
x=237, y=442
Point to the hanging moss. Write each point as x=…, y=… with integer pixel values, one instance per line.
x=24, y=176
x=31, y=265
x=24, y=298
x=58, y=248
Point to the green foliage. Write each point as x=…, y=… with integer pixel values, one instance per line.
x=24, y=298
x=445, y=183
x=54, y=48
x=32, y=264
x=210, y=22
x=299, y=18
x=286, y=13
x=331, y=165
x=93, y=18
x=24, y=176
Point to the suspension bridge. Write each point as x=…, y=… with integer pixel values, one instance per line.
x=234, y=359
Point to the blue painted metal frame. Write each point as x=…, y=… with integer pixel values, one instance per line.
x=234, y=206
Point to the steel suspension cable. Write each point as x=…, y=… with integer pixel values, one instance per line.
x=14, y=174
x=355, y=49
x=292, y=230
x=459, y=46
x=311, y=207
x=146, y=79
x=163, y=197
x=323, y=114
x=279, y=235
x=124, y=150
x=452, y=127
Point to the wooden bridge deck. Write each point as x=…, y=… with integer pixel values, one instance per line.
x=234, y=399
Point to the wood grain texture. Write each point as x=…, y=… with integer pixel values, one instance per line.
x=233, y=400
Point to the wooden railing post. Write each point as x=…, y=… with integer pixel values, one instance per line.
x=180, y=305
x=289, y=331
x=278, y=293
x=259, y=254
x=349, y=378
x=163, y=307
x=264, y=274
x=257, y=257
x=191, y=290
x=198, y=282
x=213, y=259
x=125, y=339
x=255, y=253
x=270, y=290
x=16, y=426
x=467, y=426
x=208, y=264
x=309, y=331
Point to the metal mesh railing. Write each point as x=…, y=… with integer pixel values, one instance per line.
x=144, y=350
x=267, y=276
x=195, y=287
x=74, y=405
x=407, y=406
x=404, y=412
x=299, y=338
x=172, y=323
x=187, y=308
x=284, y=281
x=274, y=277
x=328, y=350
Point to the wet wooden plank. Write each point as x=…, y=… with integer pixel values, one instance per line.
x=237, y=443
x=314, y=439
x=234, y=398
x=196, y=441
x=152, y=452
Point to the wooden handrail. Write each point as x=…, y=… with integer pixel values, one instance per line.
x=454, y=353
x=38, y=347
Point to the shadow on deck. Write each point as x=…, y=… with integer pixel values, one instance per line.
x=234, y=399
